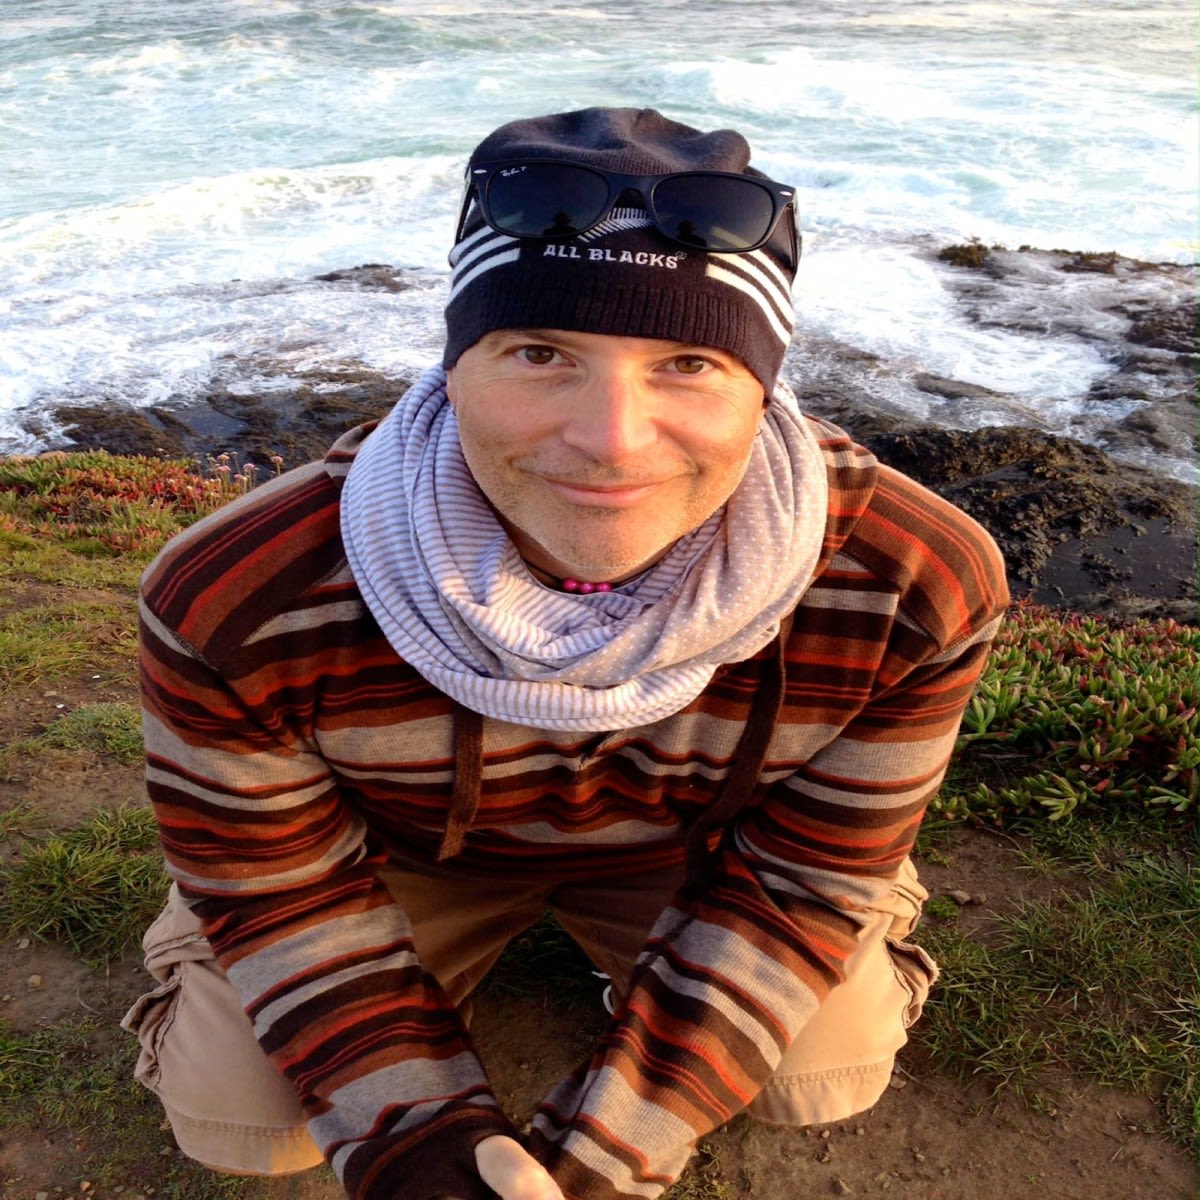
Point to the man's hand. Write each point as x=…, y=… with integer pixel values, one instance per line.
x=511, y=1172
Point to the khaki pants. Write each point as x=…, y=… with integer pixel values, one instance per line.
x=230, y=1109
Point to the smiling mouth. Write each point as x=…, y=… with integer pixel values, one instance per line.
x=603, y=495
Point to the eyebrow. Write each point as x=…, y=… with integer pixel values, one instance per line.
x=552, y=335
x=548, y=334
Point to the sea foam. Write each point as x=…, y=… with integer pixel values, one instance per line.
x=176, y=176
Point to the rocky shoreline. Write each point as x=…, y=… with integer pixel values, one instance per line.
x=1082, y=524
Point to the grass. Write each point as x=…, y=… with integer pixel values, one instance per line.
x=62, y=1077
x=95, y=504
x=45, y=641
x=1081, y=743
x=53, y=1077
x=27, y=557
x=704, y=1179
x=18, y=819
x=1097, y=982
x=111, y=729
x=93, y=889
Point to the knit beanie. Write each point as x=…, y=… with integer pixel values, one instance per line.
x=623, y=277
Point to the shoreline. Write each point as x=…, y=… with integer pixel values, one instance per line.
x=1082, y=526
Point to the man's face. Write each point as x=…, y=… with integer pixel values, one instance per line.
x=599, y=452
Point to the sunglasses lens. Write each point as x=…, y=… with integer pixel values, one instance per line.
x=545, y=199
x=713, y=213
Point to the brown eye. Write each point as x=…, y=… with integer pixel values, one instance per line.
x=538, y=356
x=688, y=365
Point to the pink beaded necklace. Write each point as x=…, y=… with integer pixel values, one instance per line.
x=578, y=586
x=583, y=587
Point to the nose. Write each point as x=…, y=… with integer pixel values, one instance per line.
x=614, y=420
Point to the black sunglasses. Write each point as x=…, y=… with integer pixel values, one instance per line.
x=707, y=210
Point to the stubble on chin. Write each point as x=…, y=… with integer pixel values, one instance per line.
x=590, y=546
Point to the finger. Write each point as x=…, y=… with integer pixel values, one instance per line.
x=511, y=1172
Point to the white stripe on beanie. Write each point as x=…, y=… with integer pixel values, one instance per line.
x=751, y=284
x=493, y=251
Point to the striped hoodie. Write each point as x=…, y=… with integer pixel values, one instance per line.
x=290, y=752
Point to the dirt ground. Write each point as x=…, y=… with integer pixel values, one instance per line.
x=930, y=1138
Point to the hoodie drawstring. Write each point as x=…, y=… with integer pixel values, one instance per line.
x=468, y=779
x=742, y=778
x=745, y=770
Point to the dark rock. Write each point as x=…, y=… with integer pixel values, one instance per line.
x=1167, y=329
x=370, y=277
x=1104, y=263
x=120, y=429
x=1076, y=528
x=296, y=424
x=1163, y=427
x=972, y=255
x=952, y=389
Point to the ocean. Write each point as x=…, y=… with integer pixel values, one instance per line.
x=174, y=177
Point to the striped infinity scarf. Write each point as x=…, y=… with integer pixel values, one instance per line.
x=456, y=602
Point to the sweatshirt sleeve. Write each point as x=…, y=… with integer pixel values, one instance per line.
x=730, y=975
x=281, y=872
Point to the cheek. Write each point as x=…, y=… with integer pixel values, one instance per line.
x=485, y=443
x=501, y=426
x=490, y=448
x=725, y=468
x=731, y=450
x=476, y=449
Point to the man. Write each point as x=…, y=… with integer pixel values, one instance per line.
x=593, y=620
